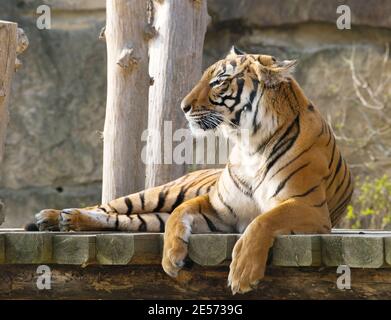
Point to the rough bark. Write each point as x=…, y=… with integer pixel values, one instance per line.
x=8, y=45
x=1, y=212
x=127, y=97
x=13, y=41
x=175, y=51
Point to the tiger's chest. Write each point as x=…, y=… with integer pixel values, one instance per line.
x=241, y=195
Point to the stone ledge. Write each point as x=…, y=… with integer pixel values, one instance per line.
x=357, y=249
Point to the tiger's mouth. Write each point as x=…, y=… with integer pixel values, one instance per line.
x=204, y=121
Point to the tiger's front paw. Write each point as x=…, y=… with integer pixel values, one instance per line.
x=247, y=267
x=174, y=254
x=48, y=220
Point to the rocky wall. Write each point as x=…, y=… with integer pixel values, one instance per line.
x=54, y=148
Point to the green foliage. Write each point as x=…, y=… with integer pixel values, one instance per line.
x=371, y=208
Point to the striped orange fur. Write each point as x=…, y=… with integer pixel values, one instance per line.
x=287, y=176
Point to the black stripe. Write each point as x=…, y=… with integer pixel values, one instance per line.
x=224, y=68
x=240, y=84
x=306, y=193
x=103, y=209
x=283, y=147
x=295, y=124
x=203, y=176
x=287, y=97
x=336, y=171
x=238, y=183
x=322, y=130
x=253, y=93
x=343, y=179
x=291, y=161
x=210, y=224
x=255, y=90
x=142, y=200
x=179, y=198
x=343, y=204
x=203, y=185
x=143, y=225
x=238, y=114
x=231, y=211
x=345, y=190
x=161, y=222
x=129, y=204
x=279, y=153
x=183, y=240
x=276, y=151
x=332, y=156
x=261, y=147
x=320, y=204
x=283, y=183
x=116, y=222
x=112, y=208
x=325, y=178
x=198, y=180
x=161, y=200
x=256, y=126
x=336, y=214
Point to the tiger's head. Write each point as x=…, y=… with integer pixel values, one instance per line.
x=239, y=92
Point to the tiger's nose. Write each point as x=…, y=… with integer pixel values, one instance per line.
x=186, y=107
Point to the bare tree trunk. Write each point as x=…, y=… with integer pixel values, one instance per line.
x=175, y=66
x=8, y=44
x=12, y=42
x=127, y=97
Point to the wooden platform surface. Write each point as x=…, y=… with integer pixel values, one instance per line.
x=108, y=265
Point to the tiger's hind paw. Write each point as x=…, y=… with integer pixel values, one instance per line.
x=48, y=220
x=69, y=220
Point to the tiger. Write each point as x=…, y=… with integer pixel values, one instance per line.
x=285, y=176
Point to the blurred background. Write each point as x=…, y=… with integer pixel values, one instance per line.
x=53, y=156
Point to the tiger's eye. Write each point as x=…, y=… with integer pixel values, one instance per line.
x=219, y=83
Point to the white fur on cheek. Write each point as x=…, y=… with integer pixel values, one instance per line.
x=197, y=132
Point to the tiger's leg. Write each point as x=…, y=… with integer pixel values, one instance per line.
x=250, y=253
x=93, y=221
x=193, y=216
x=163, y=199
x=96, y=220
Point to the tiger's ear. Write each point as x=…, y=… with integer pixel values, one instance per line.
x=276, y=73
x=234, y=52
x=288, y=65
